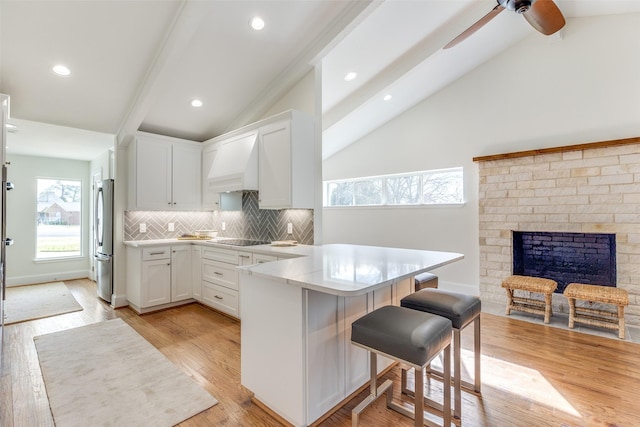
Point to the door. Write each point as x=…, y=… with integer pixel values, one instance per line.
x=156, y=283
x=181, y=270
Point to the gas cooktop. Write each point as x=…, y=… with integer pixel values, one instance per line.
x=241, y=242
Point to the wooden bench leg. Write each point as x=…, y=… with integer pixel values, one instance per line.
x=547, y=308
x=621, y=321
x=572, y=312
x=509, y=301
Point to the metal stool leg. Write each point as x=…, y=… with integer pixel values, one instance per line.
x=374, y=390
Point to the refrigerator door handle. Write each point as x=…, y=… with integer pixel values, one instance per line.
x=97, y=225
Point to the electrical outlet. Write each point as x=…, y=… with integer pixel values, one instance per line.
x=171, y=226
x=289, y=228
x=224, y=226
x=143, y=227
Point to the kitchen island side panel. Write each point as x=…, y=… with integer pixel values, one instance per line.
x=272, y=351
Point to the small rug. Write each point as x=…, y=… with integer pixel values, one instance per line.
x=37, y=301
x=106, y=374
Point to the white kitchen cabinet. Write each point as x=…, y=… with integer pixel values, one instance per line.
x=181, y=273
x=155, y=283
x=220, y=280
x=164, y=173
x=158, y=277
x=286, y=162
x=196, y=272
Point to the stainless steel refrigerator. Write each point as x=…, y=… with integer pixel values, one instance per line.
x=104, y=239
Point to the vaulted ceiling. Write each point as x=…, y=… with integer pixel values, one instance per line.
x=138, y=64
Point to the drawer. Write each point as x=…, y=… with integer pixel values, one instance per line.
x=220, y=273
x=156, y=252
x=222, y=255
x=260, y=259
x=221, y=298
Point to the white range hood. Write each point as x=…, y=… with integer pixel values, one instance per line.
x=235, y=166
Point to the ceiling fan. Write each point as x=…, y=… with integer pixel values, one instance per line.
x=543, y=15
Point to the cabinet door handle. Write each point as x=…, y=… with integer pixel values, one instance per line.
x=156, y=253
x=218, y=297
x=261, y=262
x=243, y=256
x=217, y=273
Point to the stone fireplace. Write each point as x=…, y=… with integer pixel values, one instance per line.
x=586, y=191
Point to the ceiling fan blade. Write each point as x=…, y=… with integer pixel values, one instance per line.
x=545, y=17
x=475, y=27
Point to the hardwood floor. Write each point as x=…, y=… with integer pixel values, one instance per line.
x=532, y=375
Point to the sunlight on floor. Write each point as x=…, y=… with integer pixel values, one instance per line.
x=516, y=379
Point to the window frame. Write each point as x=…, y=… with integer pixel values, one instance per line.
x=72, y=255
x=327, y=189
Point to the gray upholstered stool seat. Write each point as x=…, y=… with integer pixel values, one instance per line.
x=462, y=310
x=425, y=280
x=408, y=336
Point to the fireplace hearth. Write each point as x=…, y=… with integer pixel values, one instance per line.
x=588, y=258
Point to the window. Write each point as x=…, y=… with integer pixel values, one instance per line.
x=59, y=216
x=434, y=187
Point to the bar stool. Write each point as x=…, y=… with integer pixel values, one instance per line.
x=410, y=337
x=461, y=309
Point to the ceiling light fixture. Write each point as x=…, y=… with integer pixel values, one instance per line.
x=257, y=23
x=196, y=103
x=387, y=97
x=350, y=76
x=61, y=70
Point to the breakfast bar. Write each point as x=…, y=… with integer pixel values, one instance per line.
x=296, y=355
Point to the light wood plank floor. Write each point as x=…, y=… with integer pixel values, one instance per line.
x=532, y=375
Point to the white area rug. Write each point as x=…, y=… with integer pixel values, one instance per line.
x=37, y=301
x=106, y=374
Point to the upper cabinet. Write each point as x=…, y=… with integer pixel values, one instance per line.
x=274, y=156
x=286, y=163
x=164, y=173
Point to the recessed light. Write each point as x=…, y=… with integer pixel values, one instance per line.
x=350, y=76
x=61, y=70
x=196, y=103
x=257, y=23
x=387, y=97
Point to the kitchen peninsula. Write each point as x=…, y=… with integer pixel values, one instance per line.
x=296, y=316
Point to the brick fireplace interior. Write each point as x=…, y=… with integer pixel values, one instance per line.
x=588, y=258
x=591, y=189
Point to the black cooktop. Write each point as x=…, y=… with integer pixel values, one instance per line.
x=242, y=242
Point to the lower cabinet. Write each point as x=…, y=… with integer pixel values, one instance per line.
x=220, y=280
x=158, y=276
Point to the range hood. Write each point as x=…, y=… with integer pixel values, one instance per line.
x=235, y=166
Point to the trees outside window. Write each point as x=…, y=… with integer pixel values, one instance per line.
x=59, y=218
x=434, y=187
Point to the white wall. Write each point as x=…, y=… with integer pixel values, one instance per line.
x=543, y=92
x=21, y=219
x=300, y=97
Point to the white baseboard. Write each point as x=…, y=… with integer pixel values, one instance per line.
x=49, y=277
x=119, y=301
x=462, y=288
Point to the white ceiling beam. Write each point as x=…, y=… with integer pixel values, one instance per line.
x=188, y=18
x=401, y=66
x=354, y=12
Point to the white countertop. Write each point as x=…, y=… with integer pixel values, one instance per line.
x=279, y=251
x=349, y=270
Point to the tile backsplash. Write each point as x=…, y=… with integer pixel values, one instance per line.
x=250, y=223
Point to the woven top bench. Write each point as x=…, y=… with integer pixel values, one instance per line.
x=528, y=283
x=606, y=294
